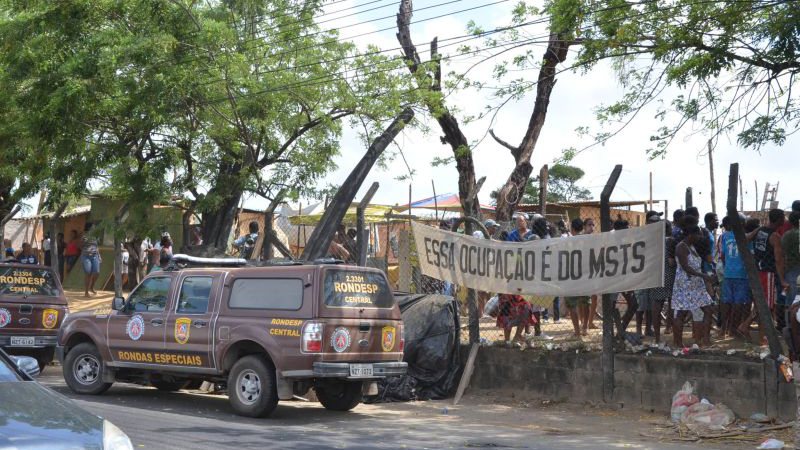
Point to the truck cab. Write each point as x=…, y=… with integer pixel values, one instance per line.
x=265, y=333
x=32, y=308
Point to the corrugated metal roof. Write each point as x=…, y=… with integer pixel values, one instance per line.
x=80, y=210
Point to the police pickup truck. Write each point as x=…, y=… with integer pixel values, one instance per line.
x=268, y=333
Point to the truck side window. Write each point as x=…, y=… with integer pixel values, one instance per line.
x=267, y=293
x=194, y=296
x=151, y=295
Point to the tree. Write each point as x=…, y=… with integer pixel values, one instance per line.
x=153, y=100
x=267, y=117
x=561, y=186
x=732, y=64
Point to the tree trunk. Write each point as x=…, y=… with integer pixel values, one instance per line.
x=467, y=191
x=511, y=193
x=217, y=224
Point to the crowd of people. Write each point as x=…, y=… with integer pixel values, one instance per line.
x=705, y=279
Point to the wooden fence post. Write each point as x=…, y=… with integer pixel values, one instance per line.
x=608, y=299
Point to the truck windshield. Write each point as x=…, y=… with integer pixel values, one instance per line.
x=355, y=289
x=27, y=281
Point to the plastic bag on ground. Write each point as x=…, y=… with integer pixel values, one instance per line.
x=492, y=306
x=771, y=443
x=682, y=400
x=707, y=416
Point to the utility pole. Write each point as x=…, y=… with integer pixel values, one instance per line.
x=650, y=204
x=711, y=170
x=756, y=183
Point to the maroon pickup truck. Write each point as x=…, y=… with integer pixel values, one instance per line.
x=267, y=333
x=32, y=307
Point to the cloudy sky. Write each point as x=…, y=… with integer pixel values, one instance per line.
x=572, y=103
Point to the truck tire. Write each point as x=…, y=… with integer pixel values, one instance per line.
x=339, y=396
x=169, y=385
x=83, y=370
x=252, y=389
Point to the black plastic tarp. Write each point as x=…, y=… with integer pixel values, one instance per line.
x=431, y=332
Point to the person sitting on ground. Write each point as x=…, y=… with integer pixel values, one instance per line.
x=579, y=305
x=689, y=294
x=26, y=256
x=514, y=311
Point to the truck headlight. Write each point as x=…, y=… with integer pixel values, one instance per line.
x=114, y=438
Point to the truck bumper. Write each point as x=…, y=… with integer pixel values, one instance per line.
x=38, y=342
x=342, y=370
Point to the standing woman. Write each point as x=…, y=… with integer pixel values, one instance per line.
x=90, y=259
x=689, y=292
x=662, y=295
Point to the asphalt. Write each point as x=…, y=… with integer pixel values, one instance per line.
x=157, y=420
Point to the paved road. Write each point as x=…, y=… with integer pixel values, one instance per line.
x=157, y=420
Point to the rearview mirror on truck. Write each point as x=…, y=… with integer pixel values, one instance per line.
x=118, y=304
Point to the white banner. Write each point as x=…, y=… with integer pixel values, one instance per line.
x=619, y=261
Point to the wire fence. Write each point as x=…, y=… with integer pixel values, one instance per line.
x=642, y=321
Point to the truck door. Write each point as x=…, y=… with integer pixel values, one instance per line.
x=189, y=325
x=137, y=335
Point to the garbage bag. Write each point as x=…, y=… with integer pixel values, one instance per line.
x=431, y=330
x=682, y=400
x=492, y=306
x=707, y=416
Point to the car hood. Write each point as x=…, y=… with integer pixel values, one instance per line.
x=34, y=417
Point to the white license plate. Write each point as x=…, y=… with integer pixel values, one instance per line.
x=17, y=341
x=360, y=370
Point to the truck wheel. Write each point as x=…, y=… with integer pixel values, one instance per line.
x=169, y=385
x=339, y=396
x=83, y=370
x=252, y=389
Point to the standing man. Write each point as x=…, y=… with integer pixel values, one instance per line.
x=736, y=295
x=578, y=306
x=790, y=243
x=768, y=254
x=588, y=228
x=483, y=296
x=27, y=256
x=46, y=248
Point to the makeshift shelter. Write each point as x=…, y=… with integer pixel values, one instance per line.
x=442, y=202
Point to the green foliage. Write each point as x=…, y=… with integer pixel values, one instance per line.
x=562, y=186
x=150, y=101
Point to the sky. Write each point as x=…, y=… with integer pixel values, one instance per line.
x=572, y=103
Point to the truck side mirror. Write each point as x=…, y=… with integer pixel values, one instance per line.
x=118, y=304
